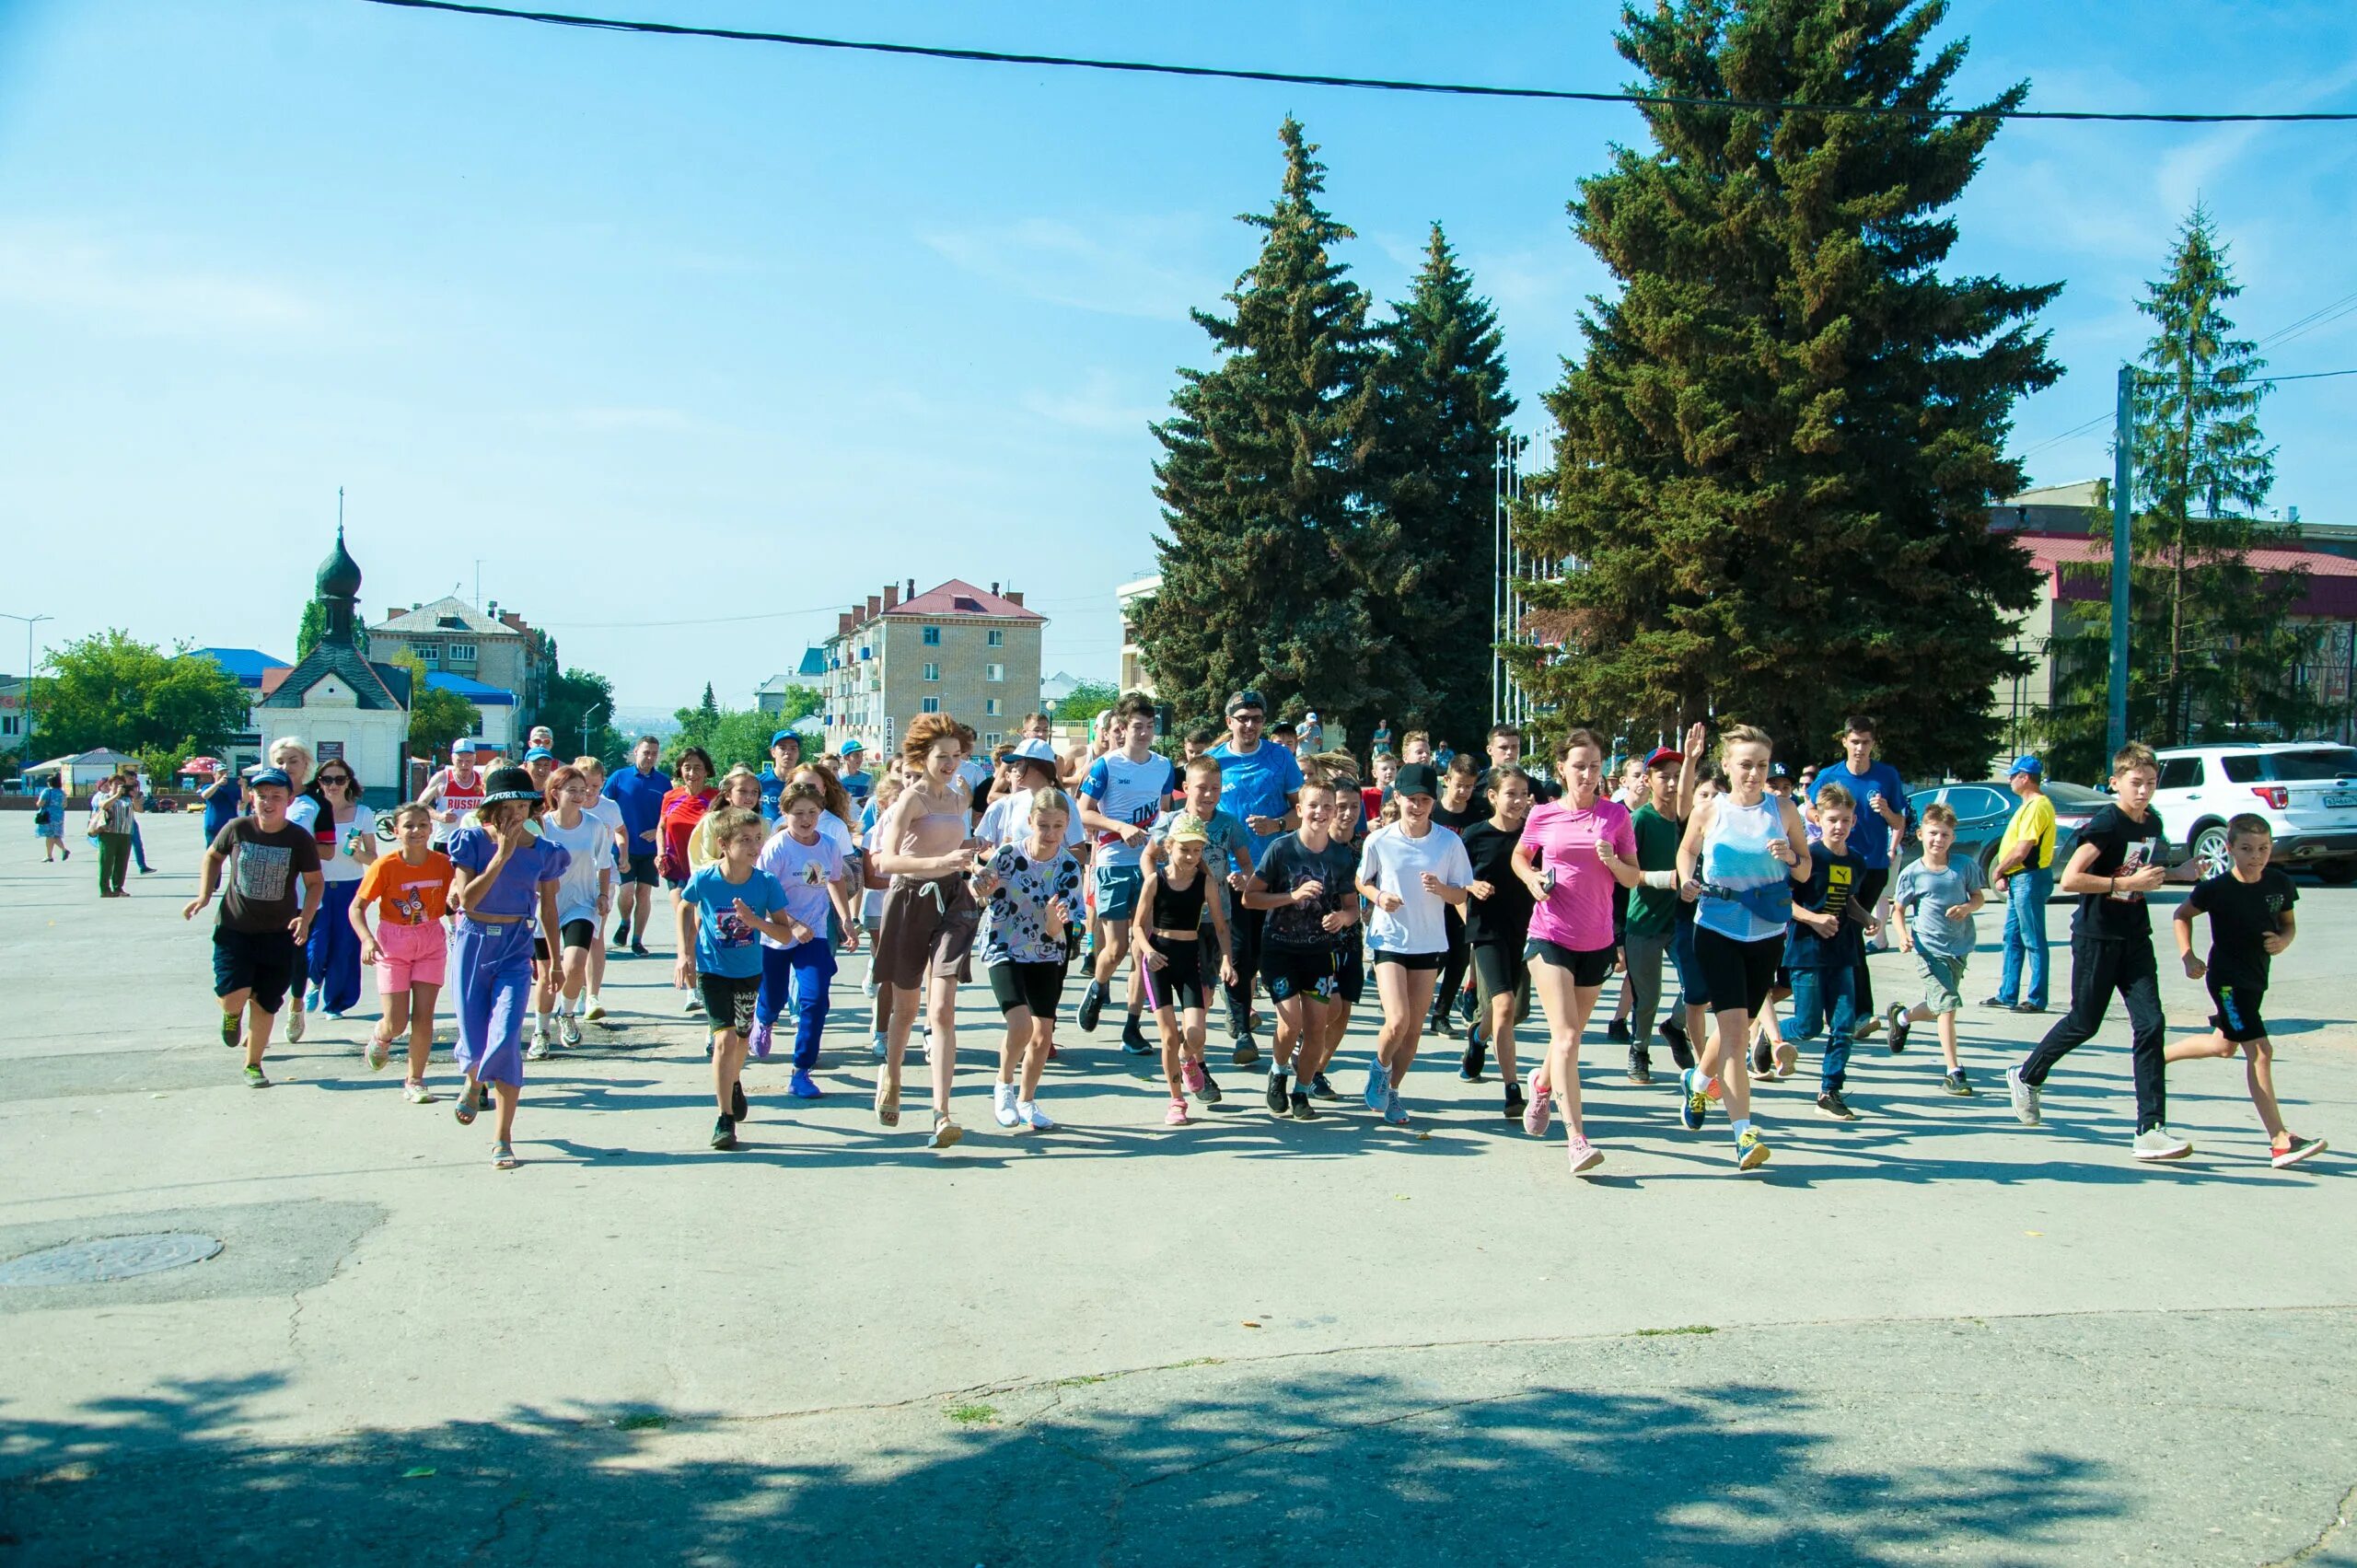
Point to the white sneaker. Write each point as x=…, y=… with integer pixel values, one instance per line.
x=295, y=1025
x=416, y=1093
x=568, y=1028
x=1033, y=1117
x=877, y=1044
x=539, y=1049
x=2160, y=1144
x=1002, y=1105
x=2023, y=1096
x=596, y=1008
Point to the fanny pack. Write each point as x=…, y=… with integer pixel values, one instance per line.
x=1772, y=903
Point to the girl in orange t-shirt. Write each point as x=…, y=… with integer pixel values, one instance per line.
x=410, y=892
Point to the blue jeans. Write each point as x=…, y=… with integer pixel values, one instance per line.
x=1825, y=999
x=807, y=971
x=2025, y=938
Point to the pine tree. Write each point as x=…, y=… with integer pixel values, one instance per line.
x=1266, y=560
x=314, y=625
x=2209, y=646
x=708, y=708
x=1779, y=449
x=1440, y=404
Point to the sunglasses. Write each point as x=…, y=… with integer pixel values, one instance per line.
x=337, y=778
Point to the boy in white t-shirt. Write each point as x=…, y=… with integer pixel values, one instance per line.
x=1409, y=873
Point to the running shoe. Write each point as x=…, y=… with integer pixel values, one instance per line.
x=1536, y=1110
x=595, y=1010
x=1469, y=1005
x=2160, y=1144
x=1585, y=1156
x=1515, y=1104
x=1379, y=1087
x=1393, y=1112
x=377, y=1053
x=723, y=1133
x=1276, y=1096
x=1788, y=1056
x=1302, y=1110
x=1246, y=1052
x=1750, y=1150
x=416, y=1093
x=1763, y=1062
x=760, y=1039
x=1438, y=1022
x=1177, y=1115
x=568, y=1030
x=1134, y=1040
x=1681, y=1050
x=1028, y=1112
x=1617, y=1031
x=310, y=1001
x=1956, y=1083
x=1002, y=1106
x=256, y=1079
x=1896, y=1017
x=1833, y=1108
x=1092, y=1007
x=694, y=1004
x=231, y=1035
x=1192, y=1075
x=539, y=1049
x=502, y=1156
x=2295, y=1151
x=1697, y=1103
x=878, y=1045
x=1641, y=1067
x=2023, y=1096
x=295, y=1025
x=1469, y=1071
x=1869, y=1024
x=945, y=1130
x=737, y=1108
x=1321, y=1089
x=801, y=1085
x=1209, y=1089
x=638, y=949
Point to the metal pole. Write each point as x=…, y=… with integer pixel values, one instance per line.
x=30, y=622
x=2123, y=480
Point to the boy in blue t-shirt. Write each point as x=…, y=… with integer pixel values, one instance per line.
x=1825, y=947
x=1878, y=798
x=1125, y=790
x=725, y=910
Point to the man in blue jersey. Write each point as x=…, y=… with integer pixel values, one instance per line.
x=1125, y=790
x=637, y=791
x=785, y=755
x=1259, y=781
x=1881, y=797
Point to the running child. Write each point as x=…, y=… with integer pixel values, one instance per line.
x=810, y=866
x=583, y=898
x=273, y=896
x=1412, y=874
x=1304, y=888
x=409, y=889
x=1030, y=895
x=722, y=911
x=1227, y=856
x=607, y=816
x=1825, y=946
x=1942, y=894
x=1125, y=790
x=505, y=876
x=1497, y=924
x=2249, y=906
x=1172, y=910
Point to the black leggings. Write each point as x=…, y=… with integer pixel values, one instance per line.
x=2098, y=968
x=1452, y=965
x=1872, y=883
x=1244, y=936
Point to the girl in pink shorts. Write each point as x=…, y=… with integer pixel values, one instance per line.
x=409, y=948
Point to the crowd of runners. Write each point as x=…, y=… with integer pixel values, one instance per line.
x=1254, y=867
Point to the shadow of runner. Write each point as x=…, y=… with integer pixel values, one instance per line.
x=1294, y=1465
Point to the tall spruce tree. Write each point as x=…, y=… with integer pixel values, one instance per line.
x=2210, y=649
x=1440, y=404
x=1779, y=447
x=1268, y=547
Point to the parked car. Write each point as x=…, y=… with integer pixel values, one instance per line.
x=1984, y=809
x=2305, y=790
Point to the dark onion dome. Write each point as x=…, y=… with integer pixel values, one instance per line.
x=339, y=573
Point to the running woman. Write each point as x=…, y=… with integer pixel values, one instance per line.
x=637, y=793
x=1260, y=783
x=1030, y=895
x=1744, y=850
x=1498, y=928
x=1125, y=790
x=1172, y=910
x=582, y=897
x=1411, y=874
x=1303, y=886
x=346, y=834
x=273, y=895
x=923, y=843
x=1461, y=801
x=506, y=876
x=410, y=890
x=685, y=805
x=1659, y=920
x=1573, y=853
x=291, y=757
x=608, y=816
x=811, y=867
x=723, y=910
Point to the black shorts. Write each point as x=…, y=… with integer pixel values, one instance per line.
x=1314, y=974
x=1036, y=987
x=640, y=870
x=579, y=934
x=1179, y=982
x=539, y=948
x=1429, y=961
x=1736, y=974
x=2238, y=1016
x=1588, y=966
x=261, y=962
x=1498, y=971
x=727, y=1001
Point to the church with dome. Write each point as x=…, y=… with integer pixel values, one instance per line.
x=337, y=700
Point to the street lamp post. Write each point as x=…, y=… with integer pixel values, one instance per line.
x=30, y=622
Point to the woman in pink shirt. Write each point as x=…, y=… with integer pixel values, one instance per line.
x=1573, y=851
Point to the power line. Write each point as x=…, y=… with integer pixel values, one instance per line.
x=1371, y=84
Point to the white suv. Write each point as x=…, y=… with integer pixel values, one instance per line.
x=2307, y=790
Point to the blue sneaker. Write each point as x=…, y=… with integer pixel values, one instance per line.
x=1696, y=1104
x=1379, y=1087
x=1750, y=1150
x=1393, y=1112
x=800, y=1086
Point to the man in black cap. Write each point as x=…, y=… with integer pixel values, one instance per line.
x=1260, y=782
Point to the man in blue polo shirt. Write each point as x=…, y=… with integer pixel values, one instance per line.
x=637, y=793
x=856, y=780
x=1258, y=782
x=785, y=755
x=1881, y=795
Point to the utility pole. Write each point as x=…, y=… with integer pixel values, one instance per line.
x=30, y=622
x=2123, y=483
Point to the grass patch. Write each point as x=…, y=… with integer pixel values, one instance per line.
x=1688, y=1329
x=1082, y=1382
x=641, y=1421
x=972, y=1415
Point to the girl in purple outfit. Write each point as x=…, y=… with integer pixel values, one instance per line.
x=506, y=876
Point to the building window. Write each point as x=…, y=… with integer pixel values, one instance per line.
x=993, y=738
x=933, y=636
x=929, y=705
x=990, y=707
x=993, y=672
x=463, y=652
x=997, y=638
x=933, y=672
x=429, y=654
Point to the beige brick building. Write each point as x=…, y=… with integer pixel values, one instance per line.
x=955, y=649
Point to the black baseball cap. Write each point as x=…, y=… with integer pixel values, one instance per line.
x=1247, y=698
x=1417, y=778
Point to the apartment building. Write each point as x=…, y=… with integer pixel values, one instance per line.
x=955, y=649
x=451, y=637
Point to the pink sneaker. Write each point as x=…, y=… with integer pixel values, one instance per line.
x=1585, y=1156
x=1541, y=1107
x=1193, y=1074
x=1177, y=1115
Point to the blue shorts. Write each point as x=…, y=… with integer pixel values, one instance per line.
x=1117, y=891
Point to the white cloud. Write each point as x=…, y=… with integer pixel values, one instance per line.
x=138, y=290
x=1116, y=267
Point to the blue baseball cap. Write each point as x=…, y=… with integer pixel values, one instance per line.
x=465, y=743
x=2030, y=765
x=849, y=747
x=271, y=776
x=785, y=735
x=538, y=753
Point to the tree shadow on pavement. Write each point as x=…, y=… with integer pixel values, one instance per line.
x=1247, y=1466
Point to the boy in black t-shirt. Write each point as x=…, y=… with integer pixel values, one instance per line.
x=2249, y=906
x=273, y=894
x=2120, y=858
x=1825, y=947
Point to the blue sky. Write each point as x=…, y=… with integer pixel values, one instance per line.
x=671, y=334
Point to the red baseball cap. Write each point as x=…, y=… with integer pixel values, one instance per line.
x=1664, y=754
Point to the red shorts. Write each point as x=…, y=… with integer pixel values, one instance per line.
x=410, y=955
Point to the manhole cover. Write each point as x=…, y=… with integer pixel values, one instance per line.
x=112, y=1258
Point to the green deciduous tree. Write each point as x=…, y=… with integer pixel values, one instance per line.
x=1780, y=445
x=436, y=717
x=1085, y=701
x=110, y=690
x=579, y=698
x=1440, y=404
x=1268, y=546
